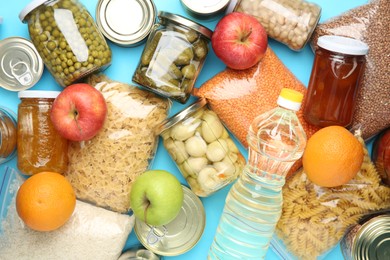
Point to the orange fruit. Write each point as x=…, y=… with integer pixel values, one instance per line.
x=45, y=201
x=332, y=157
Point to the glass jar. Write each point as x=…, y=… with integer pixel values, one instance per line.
x=200, y=145
x=7, y=135
x=67, y=39
x=334, y=82
x=173, y=57
x=40, y=147
x=290, y=22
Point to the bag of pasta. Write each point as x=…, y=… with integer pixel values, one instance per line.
x=103, y=169
x=314, y=218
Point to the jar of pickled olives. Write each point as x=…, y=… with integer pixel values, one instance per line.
x=173, y=56
x=67, y=39
x=40, y=147
x=202, y=148
x=7, y=135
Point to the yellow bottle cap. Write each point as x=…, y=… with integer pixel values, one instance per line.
x=291, y=95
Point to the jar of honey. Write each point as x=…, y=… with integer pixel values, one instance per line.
x=40, y=147
x=334, y=82
x=7, y=135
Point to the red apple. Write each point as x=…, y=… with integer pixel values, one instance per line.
x=239, y=40
x=381, y=155
x=79, y=111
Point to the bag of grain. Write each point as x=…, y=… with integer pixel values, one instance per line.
x=368, y=23
x=90, y=233
x=103, y=169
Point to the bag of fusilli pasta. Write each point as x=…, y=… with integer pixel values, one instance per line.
x=314, y=218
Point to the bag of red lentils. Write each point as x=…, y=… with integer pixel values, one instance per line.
x=368, y=23
x=238, y=96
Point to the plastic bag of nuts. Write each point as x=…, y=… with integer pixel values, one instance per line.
x=369, y=23
x=291, y=22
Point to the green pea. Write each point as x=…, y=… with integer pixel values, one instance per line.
x=43, y=37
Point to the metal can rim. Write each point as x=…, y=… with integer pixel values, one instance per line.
x=211, y=9
x=181, y=20
x=123, y=39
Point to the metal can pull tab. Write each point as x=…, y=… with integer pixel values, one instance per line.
x=155, y=235
x=22, y=73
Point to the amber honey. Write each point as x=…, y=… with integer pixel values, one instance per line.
x=40, y=147
x=334, y=82
x=7, y=135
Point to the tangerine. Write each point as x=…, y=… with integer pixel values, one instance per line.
x=45, y=201
x=332, y=157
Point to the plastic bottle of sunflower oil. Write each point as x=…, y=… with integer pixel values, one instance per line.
x=253, y=206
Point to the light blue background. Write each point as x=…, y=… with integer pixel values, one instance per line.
x=123, y=65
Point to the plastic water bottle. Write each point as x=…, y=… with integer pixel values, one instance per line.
x=254, y=203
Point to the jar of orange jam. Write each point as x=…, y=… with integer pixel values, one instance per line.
x=334, y=82
x=7, y=135
x=40, y=147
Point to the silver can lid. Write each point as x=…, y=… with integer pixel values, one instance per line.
x=178, y=236
x=180, y=20
x=372, y=241
x=21, y=67
x=204, y=7
x=125, y=22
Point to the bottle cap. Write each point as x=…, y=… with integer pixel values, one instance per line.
x=342, y=45
x=38, y=94
x=290, y=99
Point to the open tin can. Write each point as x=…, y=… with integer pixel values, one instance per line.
x=370, y=239
x=178, y=236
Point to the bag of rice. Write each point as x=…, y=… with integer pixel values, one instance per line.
x=238, y=96
x=103, y=169
x=314, y=218
x=91, y=232
x=369, y=23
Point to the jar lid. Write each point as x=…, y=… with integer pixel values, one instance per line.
x=173, y=120
x=29, y=7
x=38, y=94
x=290, y=99
x=125, y=22
x=179, y=235
x=21, y=67
x=204, y=7
x=342, y=45
x=180, y=20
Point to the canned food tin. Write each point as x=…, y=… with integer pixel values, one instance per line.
x=21, y=66
x=202, y=148
x=7, y=135
x=205, y=9
x=67, y=39
x=178, y=236
x=369, y=239
x=173, y=57
x=126, y=22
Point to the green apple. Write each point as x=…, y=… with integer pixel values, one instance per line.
x=156, y=197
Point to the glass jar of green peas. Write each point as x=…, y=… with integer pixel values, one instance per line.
x=67, y=39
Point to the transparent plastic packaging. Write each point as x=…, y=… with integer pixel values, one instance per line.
x=40, y=146
x=254, y=203
x=314, y=219
x=202, y=148
x=8, y=135
x=259, y=88
x=290, y=22
x=103, y=169
x=368, y=23
x=173, y=57
x=90, y=233
x=67, y=39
